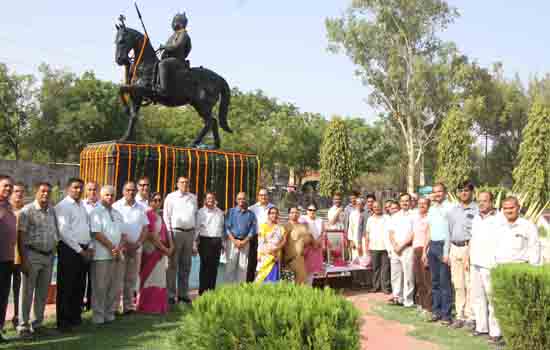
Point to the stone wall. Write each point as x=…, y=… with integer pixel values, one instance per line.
x=31, y=173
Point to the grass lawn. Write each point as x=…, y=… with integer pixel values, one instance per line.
x=136, y=332
x=449, y=339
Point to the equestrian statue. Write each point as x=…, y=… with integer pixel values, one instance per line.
x=170, y=81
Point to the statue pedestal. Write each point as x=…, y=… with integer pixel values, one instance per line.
x=223, y=172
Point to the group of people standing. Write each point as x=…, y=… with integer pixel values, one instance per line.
x=430, y=252
x=119, y=257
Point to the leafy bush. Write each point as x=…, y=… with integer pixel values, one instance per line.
x=521, y=296
x=270, y=317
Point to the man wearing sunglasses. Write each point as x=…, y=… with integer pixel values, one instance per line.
x=460, y=225
x=144, y=191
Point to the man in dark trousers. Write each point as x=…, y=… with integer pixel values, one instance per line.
x=74, y=255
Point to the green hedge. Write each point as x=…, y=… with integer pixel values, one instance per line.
x=270, y=317
x=521, y=296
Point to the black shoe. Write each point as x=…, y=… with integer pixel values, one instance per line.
x=184, y=300
x=24, y=334
x=129, y=312
x=434, y=318
x=478, y=334
x=496, y=340
x=172, y=301
x=457, y=324
x=45, y=332
x=65, y=329
x=470, y=325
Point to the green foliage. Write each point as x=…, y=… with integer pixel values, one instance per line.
x=454, y=149
x=521, y=297
x=370, y=146
x=415, y=77
x=18, y=110
x=532, y=175
x=337, y=162
x=76, y=110
x=270, y=317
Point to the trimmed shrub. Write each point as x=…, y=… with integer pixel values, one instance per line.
x=521, y=296
x=279, y=316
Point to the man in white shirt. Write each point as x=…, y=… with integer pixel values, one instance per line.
x=90, y=202
x=259, y=209
x=336, y=214
x=144, y=191
x=481, y=252
x=74, y=253
x=375, y=241
x=210, y=227
x=180, y=210
x=91, y=196
x=517, y=241
x=135, y=229
x=105, y=224
x=402, y=264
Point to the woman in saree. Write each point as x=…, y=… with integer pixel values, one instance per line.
x=271, y=240
x=313, y=255
x=153, y=295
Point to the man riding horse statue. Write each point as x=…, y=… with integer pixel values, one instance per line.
x=170, y=81
x=175, y=53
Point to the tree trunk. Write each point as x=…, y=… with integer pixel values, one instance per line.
x=410, y=168
x=422, y=175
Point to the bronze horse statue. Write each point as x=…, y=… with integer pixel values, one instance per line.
x=197, y=86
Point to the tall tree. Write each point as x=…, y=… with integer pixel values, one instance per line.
x=454, y=150
x=412, y=73
x=532, y=175
x=370, y=146
x=337, y=163
x=75, y=111
x=18, y=108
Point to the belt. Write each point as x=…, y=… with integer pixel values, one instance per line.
x=184, y=229
x=41, y=252
x=460, y=243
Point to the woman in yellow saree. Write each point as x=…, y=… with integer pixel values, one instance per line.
x=271, y=240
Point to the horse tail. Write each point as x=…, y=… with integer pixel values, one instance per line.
x=225, y=100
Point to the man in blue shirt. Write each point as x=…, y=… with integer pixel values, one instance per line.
x=240, y=228
x=436, y=253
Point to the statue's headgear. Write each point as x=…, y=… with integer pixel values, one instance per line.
x=179, y=19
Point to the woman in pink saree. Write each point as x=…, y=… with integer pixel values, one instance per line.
x=313, y=254
x=153, y=295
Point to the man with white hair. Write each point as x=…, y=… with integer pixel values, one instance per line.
x=105, y=224
x=135, y=227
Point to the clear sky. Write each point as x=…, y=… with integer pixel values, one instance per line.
x=277, y=46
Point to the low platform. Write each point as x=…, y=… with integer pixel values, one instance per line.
x=224, y=172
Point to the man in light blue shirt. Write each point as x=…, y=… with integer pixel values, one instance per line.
x=240, y=229
x=436, y=253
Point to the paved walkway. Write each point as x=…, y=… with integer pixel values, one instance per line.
x=376, y=332
x=380, y=334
